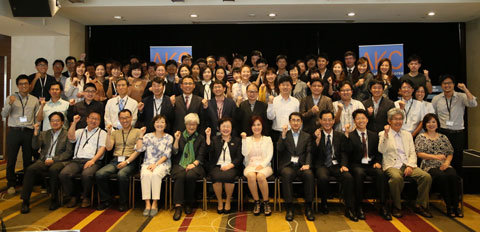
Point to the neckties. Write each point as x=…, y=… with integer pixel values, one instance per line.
x=349, y=71
x=364, y=146
x=187, y=102
x=120, y=105
x=328, y=150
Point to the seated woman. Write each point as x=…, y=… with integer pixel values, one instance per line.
x=187, y=158
x=437, y=153
x=225, y=159
x=156, y=162
x=258, y=152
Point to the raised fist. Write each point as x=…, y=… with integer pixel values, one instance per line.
x=76, y=118
x=143, y=130
x=208, y=131
x=140, y=106
x=177, y=135
x=11, y=99
x=243, y=135
x=270, y=99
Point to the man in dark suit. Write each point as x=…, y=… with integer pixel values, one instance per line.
x=219, y=106
x=55, y=150
x=311, y=106
x=331, y=151
x=187, y=103
x=294, y=160
x=169, y=89
x=377, y=107
x=153, y=105
x=70, y=62
x=366, y=160
x=252, y=107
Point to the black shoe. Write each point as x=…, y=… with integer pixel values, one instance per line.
x=25, y=207
x=422, y=211
x=309, y=213
x=351, y=215
x=324, y=208
x=360, y=214
x=458, y=213
x=53, y=205
x=122, y=207
x=227, y=211
x=450, y=212
x=385, y=213
x=397, y=212
x=289, y=215
x=188, y=209
x=256, y=208
x=220, y=211
x=178, y=213
x=267, y=209
x=104, y=205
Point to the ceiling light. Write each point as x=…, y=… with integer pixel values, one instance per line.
x=193, y=16
x=251, y=15
x=117, y=17
x=272, y=14
x=431, y=13
x=351, y=14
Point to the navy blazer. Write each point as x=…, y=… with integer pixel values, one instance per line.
x=229, y=108
x=356, y=153
x=341, y=149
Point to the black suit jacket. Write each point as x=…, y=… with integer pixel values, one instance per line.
x=378, y=121
x=200, y=89
x=356, y=153
x=146, y=116
x=180, y=111
x=341, y=149
x=66, y=74
x=216, y=148
x=245, y=113
x=229, y=109
x=169, y=90
x=309, y=118
x=286, y=149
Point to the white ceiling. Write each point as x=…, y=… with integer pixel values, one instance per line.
x=101, y=12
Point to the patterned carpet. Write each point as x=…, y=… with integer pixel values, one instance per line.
x=40, y=218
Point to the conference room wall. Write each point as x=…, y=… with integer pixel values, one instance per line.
x=473, y=82
x=441, y=45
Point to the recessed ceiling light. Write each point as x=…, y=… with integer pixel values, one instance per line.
x=351, y=14
x=117, y=17
x=272, y=14
x=251, y=15
x=431, y=13
x=193, y=16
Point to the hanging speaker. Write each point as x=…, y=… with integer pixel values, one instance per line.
x=35, y=8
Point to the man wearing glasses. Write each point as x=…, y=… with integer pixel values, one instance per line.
x=344, y=108
x=86, y=106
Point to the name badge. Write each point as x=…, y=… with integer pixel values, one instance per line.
x=120, y=158
x=449, y=123
x=334, y=162
x=23, y=119
x=365, y=160
x=294, y=159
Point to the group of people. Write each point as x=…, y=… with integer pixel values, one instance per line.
x=209, y=118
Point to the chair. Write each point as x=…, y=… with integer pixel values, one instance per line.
x=208, y=180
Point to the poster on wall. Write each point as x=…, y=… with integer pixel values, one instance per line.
x=160, y=54
x=375, y=53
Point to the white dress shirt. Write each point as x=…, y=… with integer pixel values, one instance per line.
x=50, y=107
x=414, y=112
x=113, y=107
x=87, y=149
x=346, y=116
x=280, y=110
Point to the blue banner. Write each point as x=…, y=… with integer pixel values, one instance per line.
x=374, y=53
x=160, y=54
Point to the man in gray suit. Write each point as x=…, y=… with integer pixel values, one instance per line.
x=55, y=150
x=312, y=105
x=400, y=161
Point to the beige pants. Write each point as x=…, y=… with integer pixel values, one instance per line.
x=396, y=183
x=152, y=181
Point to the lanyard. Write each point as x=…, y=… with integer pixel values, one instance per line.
x=114, y=88
x=125, y=140
x=157, y=108
x=86, y=142
x=42, y=85
x=407, y=112
x=54, y=142
x=23, y=106
x=449, y=106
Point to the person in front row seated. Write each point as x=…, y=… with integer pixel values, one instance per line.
x=436, y=152
x=187, y=159
x=331, y=159
x=156, y=163
x=400, y=161
x=377, y=107
x=156, y=104
x=225, y=160
x=55, y=150
x=366, y=160
x=186, y=103
x=85, y=107
x=219, y=107
x=258, y=152
x=116, y=105
x=294, y=160
x=312, y=105
x=123, y=163
x=87, y=158
x=251, y=107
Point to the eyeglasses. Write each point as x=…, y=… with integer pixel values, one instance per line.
x=345, y=90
